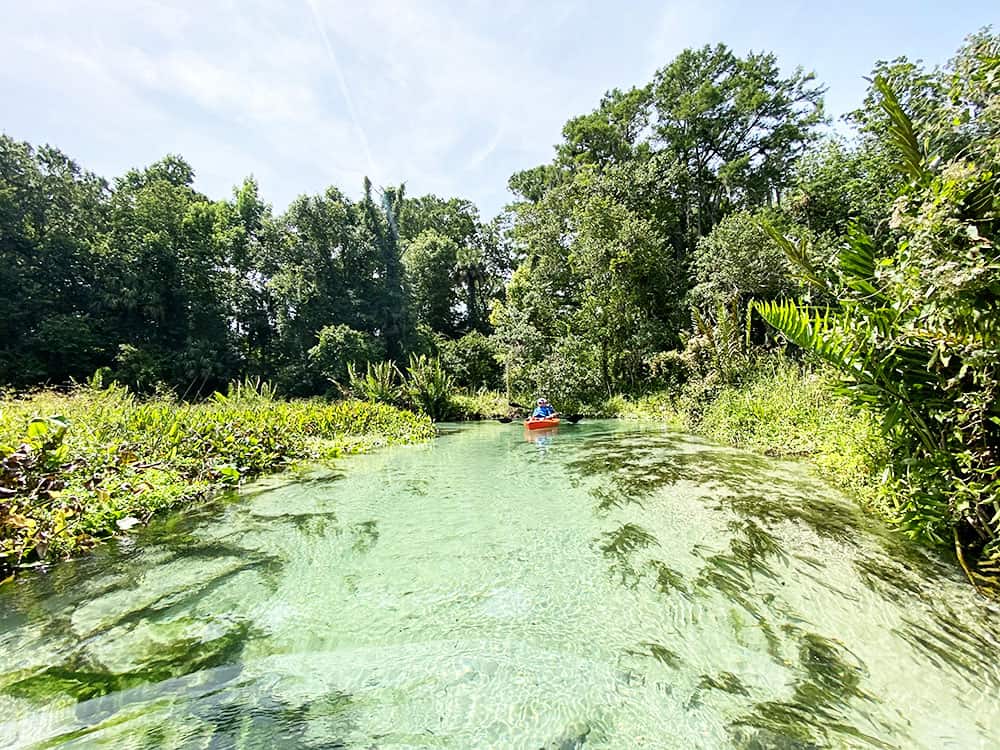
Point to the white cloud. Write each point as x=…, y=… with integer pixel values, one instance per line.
x=447, y=98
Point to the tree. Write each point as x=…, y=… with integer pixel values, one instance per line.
x=455, y=218
x=735, y=126
x=382, y=223
x=738, y=261
x=609, y=135
x=340, y=348
x=253, y=244
x=471, y=361
x=532, y=184
x=429, y=268
x=51, y=322
x=595, y=272
x=838, y=184
x=166, y=243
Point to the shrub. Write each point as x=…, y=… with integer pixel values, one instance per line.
x=381, y=383
x=738, y=261
x=471, y=361
x=789, y=411
x=340, y=347
x=429, y=387
x=481, y=404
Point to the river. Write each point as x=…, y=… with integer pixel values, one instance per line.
x=610, y=585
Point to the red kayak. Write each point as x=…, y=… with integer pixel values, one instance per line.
x=540, y=423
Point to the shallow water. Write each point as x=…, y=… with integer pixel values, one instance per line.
x=608, y=586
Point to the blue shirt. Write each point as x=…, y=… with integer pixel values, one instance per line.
x=543, y=411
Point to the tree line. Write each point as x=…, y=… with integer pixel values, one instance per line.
x=151, y=279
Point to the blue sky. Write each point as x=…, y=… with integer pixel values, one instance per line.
x=449, y=97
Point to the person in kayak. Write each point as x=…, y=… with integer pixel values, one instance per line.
x=542, y=410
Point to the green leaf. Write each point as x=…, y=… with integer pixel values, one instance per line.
x=38, y=428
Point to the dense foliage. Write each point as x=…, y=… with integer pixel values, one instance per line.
x=915, y=333
x=150, y=278
x=110, y=460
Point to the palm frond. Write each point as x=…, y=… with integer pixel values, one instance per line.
x=809, y=328
x=797, y=254
x=857, y=262
x=902, y=135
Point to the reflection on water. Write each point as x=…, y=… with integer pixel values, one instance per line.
x=609, y=586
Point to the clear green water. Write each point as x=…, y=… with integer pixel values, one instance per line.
x=613, y=586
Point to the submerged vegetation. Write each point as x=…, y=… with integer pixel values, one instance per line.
x=83, y=465
x=699, y=247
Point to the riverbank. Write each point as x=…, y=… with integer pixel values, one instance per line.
x=783, y=411
x=81, y=466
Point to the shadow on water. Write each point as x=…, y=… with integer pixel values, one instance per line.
x=956, y=645
x=275, y=723
x=748, y=485
x=733, y=573
x=658, y=652
x=668, y=580
x=822, y=708
x=365, y=535
x=827, y=705
x=618, y=545
x=755, y=489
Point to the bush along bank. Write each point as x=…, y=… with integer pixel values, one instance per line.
x=82, y=466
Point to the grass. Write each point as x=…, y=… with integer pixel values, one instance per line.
x=78, y=467
x=785, y=411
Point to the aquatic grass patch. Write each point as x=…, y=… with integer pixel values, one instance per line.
x=82, y=465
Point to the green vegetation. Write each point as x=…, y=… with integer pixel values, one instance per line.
x=915, y=331
x=699, y=235
x=110, y=460
x=425, y=386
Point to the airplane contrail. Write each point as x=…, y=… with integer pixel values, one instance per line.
x=344, y=90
